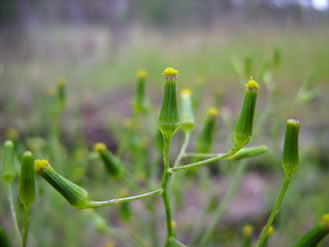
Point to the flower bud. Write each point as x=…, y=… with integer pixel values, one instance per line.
x=111, y=162
x=169, y=119
x=243, y=129
x=8, y=172
x=27, y=180
x=249, y=152
x=204, y=141
x=290, y=159
x=139, y=99
x=247, y=232
x=197, y=92
x=74, y=194
x=187, y=117
x=4, y=240
x=315, y=235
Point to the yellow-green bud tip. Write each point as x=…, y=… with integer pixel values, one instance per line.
x=212, y=112
x=270, y=230
x=61, y=81
x=100, y=147
x=170, y=73
x=252, y=84
x=12, y=134
x=173, y=224
x=186, y=92
x=247, y=230
x=325, y=219
x=141, y=74
x=109, y=244
x=40, y=164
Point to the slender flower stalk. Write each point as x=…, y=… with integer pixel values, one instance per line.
x=290, y=164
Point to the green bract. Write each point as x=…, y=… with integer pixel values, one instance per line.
x=205, y=139
x=8, y=170
x=187, y=117
x=169, y=119
x=27, y=180
x=290, y=158
x=243, y=129
x=74, y=194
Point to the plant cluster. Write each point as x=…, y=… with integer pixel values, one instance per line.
x=170, y=120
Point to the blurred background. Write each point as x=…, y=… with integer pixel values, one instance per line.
x=98, y=46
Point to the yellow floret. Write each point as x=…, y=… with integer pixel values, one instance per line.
x=109, y=244
x=173, y=224
x=100, y=147
x=212, y=112
x=40, y=164
x=252, y=84
x=247, y=230
x=186, y=92
x=141, y=74
x=170, y=72
x=12, y=134
x=61, y=81
x=270, y=230
x=124, y=193
x=325, y=219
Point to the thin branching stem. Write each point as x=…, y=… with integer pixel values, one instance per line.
x=26, y=226
x=164, y=186
x=96, y=204
x=13, y=213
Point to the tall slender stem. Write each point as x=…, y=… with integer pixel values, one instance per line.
x=13, y=213
x=26, y=226
x=262, y=237
x=96, y=204
x=165, y=196
x=225, y=202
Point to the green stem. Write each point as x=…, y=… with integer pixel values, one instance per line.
x=180, y=156
x=199, y=155
x=165, y=196
x=201, y=163
x=26, y=226
x=13, y=213
x=225, y=202
x=176, y=243
x=96, y=204
x=262, y=237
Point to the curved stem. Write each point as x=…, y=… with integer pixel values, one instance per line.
x=199, y=155
x=225, y=202
x=26, y=226
x=262, y=237
x=96, y=204
x=201, y=163
x=176, y=242
x=13, y=213
x=165, y=196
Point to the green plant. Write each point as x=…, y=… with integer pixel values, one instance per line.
x=169, y=123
